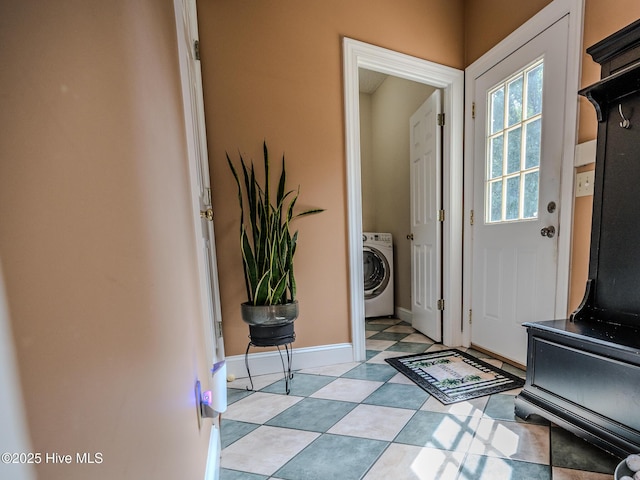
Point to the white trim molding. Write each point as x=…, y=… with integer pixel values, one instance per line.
x=362, y=55
x=553, y=12
x=263, y=363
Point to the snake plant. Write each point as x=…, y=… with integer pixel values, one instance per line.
x=266, y=243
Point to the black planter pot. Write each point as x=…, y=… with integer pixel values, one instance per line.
x=271, y=335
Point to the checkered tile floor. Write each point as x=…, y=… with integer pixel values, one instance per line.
x=367, y=421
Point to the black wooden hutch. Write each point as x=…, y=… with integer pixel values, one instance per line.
x=583, y=373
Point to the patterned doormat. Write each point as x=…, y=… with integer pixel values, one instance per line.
x=454, y=376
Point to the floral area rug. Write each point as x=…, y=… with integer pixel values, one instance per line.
x=454, y=376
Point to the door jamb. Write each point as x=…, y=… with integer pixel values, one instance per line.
x=362, y=55
x=534, y=26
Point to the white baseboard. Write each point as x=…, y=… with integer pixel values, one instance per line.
x=262, y=363
x=404, y=314
x=212, y=471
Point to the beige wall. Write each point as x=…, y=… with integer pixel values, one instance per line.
x=391, y=107
x=273, y=70
x=367, y=172
x=96, y=237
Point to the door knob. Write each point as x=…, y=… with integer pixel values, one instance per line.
x=208, y=214
x=410, y=236
x=548, y=232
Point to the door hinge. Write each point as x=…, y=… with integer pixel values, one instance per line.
x=218, y=329
x=207, y=197
x=441, y=304
x=473, y=110
x=196, y=49
x=470, y=316
x=441, y=215
x=471, y=218
x=441, y=119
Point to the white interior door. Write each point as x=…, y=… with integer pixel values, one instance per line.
x=201, y=198
x=426, y=229
x=518, y=145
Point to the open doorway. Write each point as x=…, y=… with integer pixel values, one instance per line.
x=358, y=55
x=396, y=176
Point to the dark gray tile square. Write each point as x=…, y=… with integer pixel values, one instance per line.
x=388, y=336
x=226, y=474
x=232, y=430
x=494, y=468
x=376, y=327
x=235, y=394
x=518, y=372
x=501, y=407
x=371, y=353
x=312, y=414
x=438, y=430
x=570, y=451
x=409, y=347
x=398, y=395
x=371, y=371
x=333, y=457
x=301, y=385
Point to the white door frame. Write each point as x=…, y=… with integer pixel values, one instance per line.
x=362, y=55
x=541, y=21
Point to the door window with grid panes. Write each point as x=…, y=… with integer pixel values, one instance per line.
x=513, y=146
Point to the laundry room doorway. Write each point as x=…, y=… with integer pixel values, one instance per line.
x=378, y=192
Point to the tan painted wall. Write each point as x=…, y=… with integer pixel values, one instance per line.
x=96, y=237
x=273, y=70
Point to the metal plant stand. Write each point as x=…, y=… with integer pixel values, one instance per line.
x=273, y=336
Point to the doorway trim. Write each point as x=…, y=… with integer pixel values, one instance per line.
x=362, y=55
x=533, y=27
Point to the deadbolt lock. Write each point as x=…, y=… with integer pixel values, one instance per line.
x=551, y=207
x=208, y=214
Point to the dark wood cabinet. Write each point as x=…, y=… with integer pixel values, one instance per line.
x=583, y=373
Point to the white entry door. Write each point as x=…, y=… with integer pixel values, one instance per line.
x=201, y=196
x=518, y=144
x=426, y=229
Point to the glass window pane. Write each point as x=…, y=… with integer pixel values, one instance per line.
x=496, y=201
x=515, y=101
x=530, y=207
x=514, y=142
x=497, y=156
x=532, y=158
x=534, y=91
x=513, y=198
x=497, y=110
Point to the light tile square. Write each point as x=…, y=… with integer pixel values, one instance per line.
x=380, y=345
x=266, y=449
x=513, y=440
x=416, y=338
x=372, y=421
x=260, y=407
x=347, y=390
x=470, y=408
x=380, y=357
x=259, y=381
x=569, y=474
x=336, y=370
x=416, y=463
x=400, y=378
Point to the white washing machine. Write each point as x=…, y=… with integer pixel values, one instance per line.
x=378, y=274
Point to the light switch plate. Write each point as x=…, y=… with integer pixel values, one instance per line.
x=584, y=183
